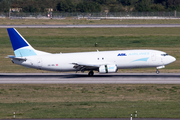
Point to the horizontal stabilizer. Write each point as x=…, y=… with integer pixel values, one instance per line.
x=14, y=57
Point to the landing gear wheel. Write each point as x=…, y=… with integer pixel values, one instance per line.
x=91, y=73
x=157, y=71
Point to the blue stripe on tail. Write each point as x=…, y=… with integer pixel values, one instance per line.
x=20, y=46
x=17, y=40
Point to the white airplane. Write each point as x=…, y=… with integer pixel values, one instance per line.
x=101, y=61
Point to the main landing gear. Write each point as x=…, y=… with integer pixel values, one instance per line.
x=157, y=71
x=91, y=73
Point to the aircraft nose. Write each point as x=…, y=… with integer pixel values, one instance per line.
x=173, y=58
x=169, y=59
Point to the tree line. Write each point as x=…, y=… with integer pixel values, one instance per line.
x=91, y=5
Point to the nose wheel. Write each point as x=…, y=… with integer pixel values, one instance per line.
x=91, y=73
x=157, y=71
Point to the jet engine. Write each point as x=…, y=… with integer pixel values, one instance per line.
x=108, y=69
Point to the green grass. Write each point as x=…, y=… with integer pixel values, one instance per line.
x=69, y=21
x=84, y=39
x=103, y=41
x=89, y=101
x=121, y=109
x=105, y=37
x=96, y=32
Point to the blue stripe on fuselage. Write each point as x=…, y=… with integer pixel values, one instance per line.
x=141, y=59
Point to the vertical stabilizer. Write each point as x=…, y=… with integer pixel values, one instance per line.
x=20, y=46
x=17, y=40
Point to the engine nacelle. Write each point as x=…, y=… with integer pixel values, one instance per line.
x=107, y=69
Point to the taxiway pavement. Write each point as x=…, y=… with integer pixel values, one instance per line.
x=83, y=78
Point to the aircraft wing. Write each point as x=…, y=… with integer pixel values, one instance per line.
x=89, y=66
x=85, y=66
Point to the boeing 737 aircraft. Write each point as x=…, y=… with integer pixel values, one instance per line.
x=101, y=61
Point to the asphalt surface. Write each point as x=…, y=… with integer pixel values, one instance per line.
x=91, y=26
x=83, y=78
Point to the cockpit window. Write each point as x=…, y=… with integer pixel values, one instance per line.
x=164, y=54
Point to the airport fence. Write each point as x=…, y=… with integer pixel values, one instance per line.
x=100, y=15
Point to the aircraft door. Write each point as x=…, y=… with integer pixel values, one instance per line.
x=153, y=56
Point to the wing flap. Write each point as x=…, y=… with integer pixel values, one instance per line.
x=85, y=66
x=88, y=66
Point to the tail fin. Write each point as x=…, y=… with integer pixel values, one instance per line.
x=20, y=46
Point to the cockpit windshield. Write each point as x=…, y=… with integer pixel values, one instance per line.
x=164, y=54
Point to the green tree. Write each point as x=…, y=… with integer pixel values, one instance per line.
x=101, y=1
x=88, y=7
x=81, y=7
x=128, y=2
x=159, y=1
x=5, y=5
x=157, y=7
x=143, y=6
x=66, y=6
x=178, y=8
x=93, y=7
x=30, y=8
x=116, y=8
x=170, y=4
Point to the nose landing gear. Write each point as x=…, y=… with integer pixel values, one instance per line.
x=160, y=67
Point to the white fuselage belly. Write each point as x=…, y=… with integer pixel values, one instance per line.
x=121, y=58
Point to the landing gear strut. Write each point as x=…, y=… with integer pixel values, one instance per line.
x=91, y=73
x=157, y=71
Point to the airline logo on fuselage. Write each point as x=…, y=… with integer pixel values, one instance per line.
x=140, y=53
x=122, y=54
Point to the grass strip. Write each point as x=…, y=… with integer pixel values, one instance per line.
x=69, y=21
x=89, y=101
